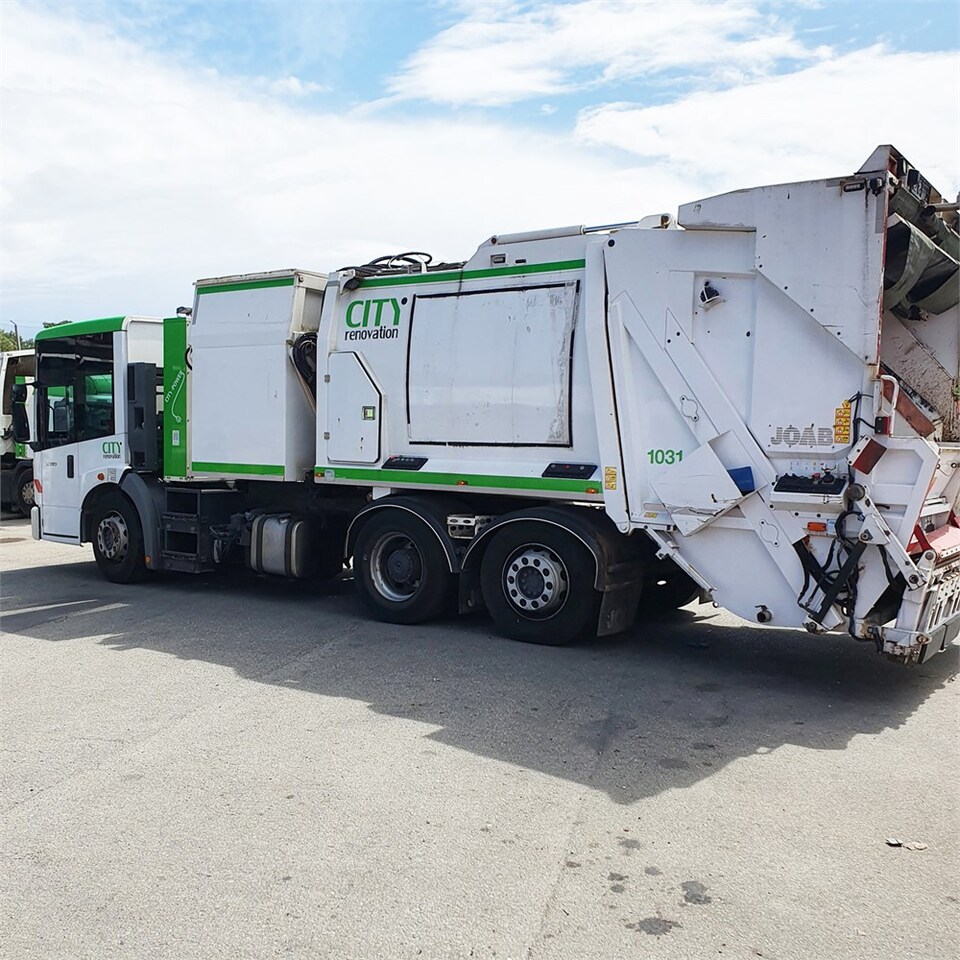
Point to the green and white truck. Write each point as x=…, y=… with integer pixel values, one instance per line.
x=754, y=403
x=17, y=368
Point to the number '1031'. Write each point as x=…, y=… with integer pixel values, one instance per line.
x=665, y=456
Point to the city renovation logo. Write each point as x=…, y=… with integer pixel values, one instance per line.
x=373, y=319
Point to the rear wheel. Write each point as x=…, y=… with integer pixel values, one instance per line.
x=537, y=583
x=667, y=588
x=401, y=569
x=23, y=491
x=118, y=539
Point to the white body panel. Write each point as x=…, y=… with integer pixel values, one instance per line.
x=249, y=415
x=492, y=367
x=498, y=383
x=354, y=411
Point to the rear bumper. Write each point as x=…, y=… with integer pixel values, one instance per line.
x=913, y=647
x=929, y=618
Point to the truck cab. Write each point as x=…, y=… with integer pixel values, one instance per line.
x=89, y=417
x=17, y=369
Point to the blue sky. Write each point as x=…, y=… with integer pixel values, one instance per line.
x=348, y=54
x=148, y=144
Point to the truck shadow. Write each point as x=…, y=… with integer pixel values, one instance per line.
x=662, y=707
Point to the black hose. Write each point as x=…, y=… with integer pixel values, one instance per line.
x=304, y=356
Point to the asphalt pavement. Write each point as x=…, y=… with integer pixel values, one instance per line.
x=241, y=767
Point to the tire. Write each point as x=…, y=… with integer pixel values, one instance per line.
x=665, y=589
x=537, y=582
x=401, y=569
x=118, y=539
x=23, y=491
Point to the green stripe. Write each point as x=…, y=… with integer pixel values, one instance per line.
x=81, y=327
x=518, y=269
x=461, y=479
x=175, y=396
x=245, y=285
x=261, y=469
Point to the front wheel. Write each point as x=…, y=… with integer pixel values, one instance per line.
x=401, y=569
x=537, y=582
x=23, y=491
x=118, y=539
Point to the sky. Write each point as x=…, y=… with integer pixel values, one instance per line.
x=146, y=145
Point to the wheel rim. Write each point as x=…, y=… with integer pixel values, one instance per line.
x=26, y=493
x=535, y=581
x=113, y=537
x=396, y=567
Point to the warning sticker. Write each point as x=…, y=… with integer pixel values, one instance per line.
x=841, y=423
x=609, y=478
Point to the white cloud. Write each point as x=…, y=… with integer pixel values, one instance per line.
x=502, y=53
x=126, y=177
x=820, y=121
x=291, y=86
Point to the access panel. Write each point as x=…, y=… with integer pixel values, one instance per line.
x=492, y=367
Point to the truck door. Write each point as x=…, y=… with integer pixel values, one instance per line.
x=353, y=411
x=75, y=428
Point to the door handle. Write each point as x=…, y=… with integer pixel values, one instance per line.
x=70, y=465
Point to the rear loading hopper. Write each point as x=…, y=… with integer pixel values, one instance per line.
x=855, y=289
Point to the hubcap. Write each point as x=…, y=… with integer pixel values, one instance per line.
x=113, y=538
x=26, y=493
x=535, y=581
x=396, y=567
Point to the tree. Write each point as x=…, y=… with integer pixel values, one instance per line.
x=8, y=341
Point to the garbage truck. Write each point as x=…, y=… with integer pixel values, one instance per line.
x=753, y=403
x=16, y=458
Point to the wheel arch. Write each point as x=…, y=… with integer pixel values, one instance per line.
x=431, y=512
x=614, y=555
x=88, y=508
x=24, y=466
x=146, y=499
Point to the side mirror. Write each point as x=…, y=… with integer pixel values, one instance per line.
x=21, y=425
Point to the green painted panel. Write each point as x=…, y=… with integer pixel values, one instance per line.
x=251, y=469
x=19, y=449
x=175, y=397
x=245, y=285
x=516, y=270
x=407, y=477
x=80, y=327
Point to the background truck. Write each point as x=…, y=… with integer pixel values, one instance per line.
x=755, y=403
x=16, y=458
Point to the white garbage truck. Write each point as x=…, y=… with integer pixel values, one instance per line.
x=16, y=458
x=754, y=403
